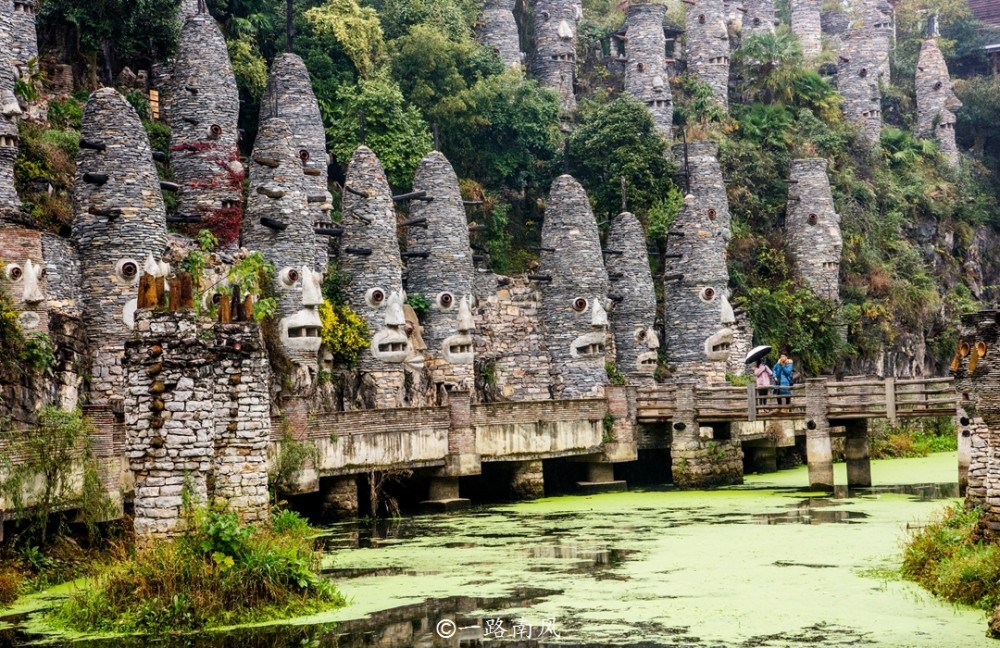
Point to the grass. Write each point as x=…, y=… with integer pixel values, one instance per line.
x=950, y=558
x=917, y=439
x=219, y=573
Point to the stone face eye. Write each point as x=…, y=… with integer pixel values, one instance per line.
x=303, y=155
x=128, y=269
x=707, y=294
x=701, y=19
x=14, y=272
x=863, y=72
x=375, y=297
x=580, y=304
x=215, y=131
x=712, y=214
x=640, y=335
x=289, y=276
x=812, y=219
x=445, y=300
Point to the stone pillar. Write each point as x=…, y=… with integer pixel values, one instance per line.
x=707, y=41
x=963, y=429
x=876, y=17
x=119, y=223
x=555, y=24
x=462, y=459
x=859, y=467
x=699, y=318
x=819, y=450
x=528, y=480
x=763, y=455
x=698, y=460
x=759, y=18
x=9, y=111
x=974, y=434
x=857, y=82
x=444, y=276
x=25, y=38
x=646, y=76
x=936, y=100
x=370, y=258
x=806, y=25
x=573, y=301
x=202, y=105
x=498, y=31
x=813, y=227
x=289, y=97
x=340, y=496
x=636, y=341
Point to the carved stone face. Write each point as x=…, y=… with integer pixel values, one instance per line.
x=647, y=360
x=460, y=348
x=390, y=343
x=301, y=331
x=976, y=366
x=590, y=346
x=718, y=344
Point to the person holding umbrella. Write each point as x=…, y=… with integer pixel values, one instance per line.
x=762, y=372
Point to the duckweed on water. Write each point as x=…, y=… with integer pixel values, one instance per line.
x=219, y=573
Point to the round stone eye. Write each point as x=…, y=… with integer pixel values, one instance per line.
x=289, y=276
x=640, y=335
x=303, y=155
x=863, y=72
x=375, y=297
x=580, y=304
x=812, y=219
x=707, y=294
x=712, y=214
x=937, y=86
x=215, y=131
x=963, y=349
x=445, y=300
x=756, y=21
x=128, y=269
x=701, y=19
x=14, y=272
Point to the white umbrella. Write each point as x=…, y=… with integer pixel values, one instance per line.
x=757, y=353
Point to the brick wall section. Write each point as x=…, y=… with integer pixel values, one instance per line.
x=17, y=246
x=498, y=31
x=461, y=435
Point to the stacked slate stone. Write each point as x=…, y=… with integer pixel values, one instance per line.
x=876, y=16
x=555, y=47
x=646, y=69
x=636, y=342
x=198, y=410
x=857, y=82
x=369, y=257
x=189, y=8
x=498, y=31
x=290, y=96
x=760, y=17
x=119, y=220
x=806, y=24
x=203, y=106
x=936, y=100
x=573, y=302
x=813, y=227
x=734, y=15
x=9, y=110
x=835, y=24
x=708, y=46
x=25, y=39
x=698, y=317
x=445, y=276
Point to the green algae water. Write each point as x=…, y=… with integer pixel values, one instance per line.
x=764, y=564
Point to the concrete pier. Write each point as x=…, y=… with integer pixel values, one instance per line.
x=859, y=467
x=819, y=450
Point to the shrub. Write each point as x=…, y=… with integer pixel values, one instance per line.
x=345, y=334
x=11, y=580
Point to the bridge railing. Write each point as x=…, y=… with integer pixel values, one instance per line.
x=656, y=403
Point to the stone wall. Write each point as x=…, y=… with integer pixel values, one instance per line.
x=369, y=258
x=498, y=31
x=198, y=415
x=646, y=76
x=876, y=17
x=936, y=100
x=813, y=227
x=636, y=341
x=555, y=23
x=445, y=275
x=510, y=343
x=760, y=17
x=806, y=25
x=9, y=110
x=289, y=97
x=62, y=274
x=979, y=458
x=119, y=221
x=707, y=42
x=698, y=318
x=573, y=302
x=25, y=39
x=857, y=82
x=202, y=104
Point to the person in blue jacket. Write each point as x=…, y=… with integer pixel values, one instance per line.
x=783, y=379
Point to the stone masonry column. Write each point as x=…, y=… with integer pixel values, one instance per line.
x=498, y=31
x=462, y=459
x=684, y=440
x=806, y=25
x=618, y=442
x=340, y=496
x=819, y=451
x=859, y=466
x=528, y=480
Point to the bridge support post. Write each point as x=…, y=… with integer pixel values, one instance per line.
x=859, y=466
x=461, y=460
x=340, y=496
x=528, y=480
x=700, y=457
x=618, y=441
x=819, y=450
x=762, y=455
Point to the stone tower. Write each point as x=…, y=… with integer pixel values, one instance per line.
x=119, y=221
x=24, y=38
x=574, y=306
x=369, y=257
x=646, y=69
x=445, y=275
x=806, y=25
x=498, y=31
x=876, y=17
x=555, y=24
x=936, y=100
x=289, y=96
x=277, y=222
x=698, y=318
x=760, y=17
x=9, y=111
x=189, y=8
x=636, y=342
x=708, y=46
x=857, y=82
x=203, y=106
x=813, y=227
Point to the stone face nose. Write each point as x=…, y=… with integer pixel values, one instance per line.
x=466, y=324
x=599, y=318
x=394, y=316
x=312, y=287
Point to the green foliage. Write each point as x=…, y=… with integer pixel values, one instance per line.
x=615, y=377
x=663, y=213
x=767, y=125
x=394, y=129
x=453, y=19
x=345, y=334
x=11, y=337
x=46, y=154
x=249, y=65
x=607, y=427
x=38, y=354
x=695, y=106
x=220, y=572
x=419, y=303
x=741, y=380
x=65, y=113
x=912, y=439
x=290, y=457
x=357, y=31
x=618, y=140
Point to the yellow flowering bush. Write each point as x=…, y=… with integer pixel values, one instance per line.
x=11, y=338
x=345, y=334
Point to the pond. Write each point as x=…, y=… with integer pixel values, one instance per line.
x=765, y=564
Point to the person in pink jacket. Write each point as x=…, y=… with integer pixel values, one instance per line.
x=764, y=377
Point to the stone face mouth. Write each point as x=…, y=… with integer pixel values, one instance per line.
x=459, y=349
x=646, y=362
x=718, y=345
x=589, y=346
x=389, y=345
x=301, y=331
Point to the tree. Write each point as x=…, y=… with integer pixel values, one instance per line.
x=980, y=113
x=357, y=31
x=767, y=65
x=451, y=18
x=614, y=141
